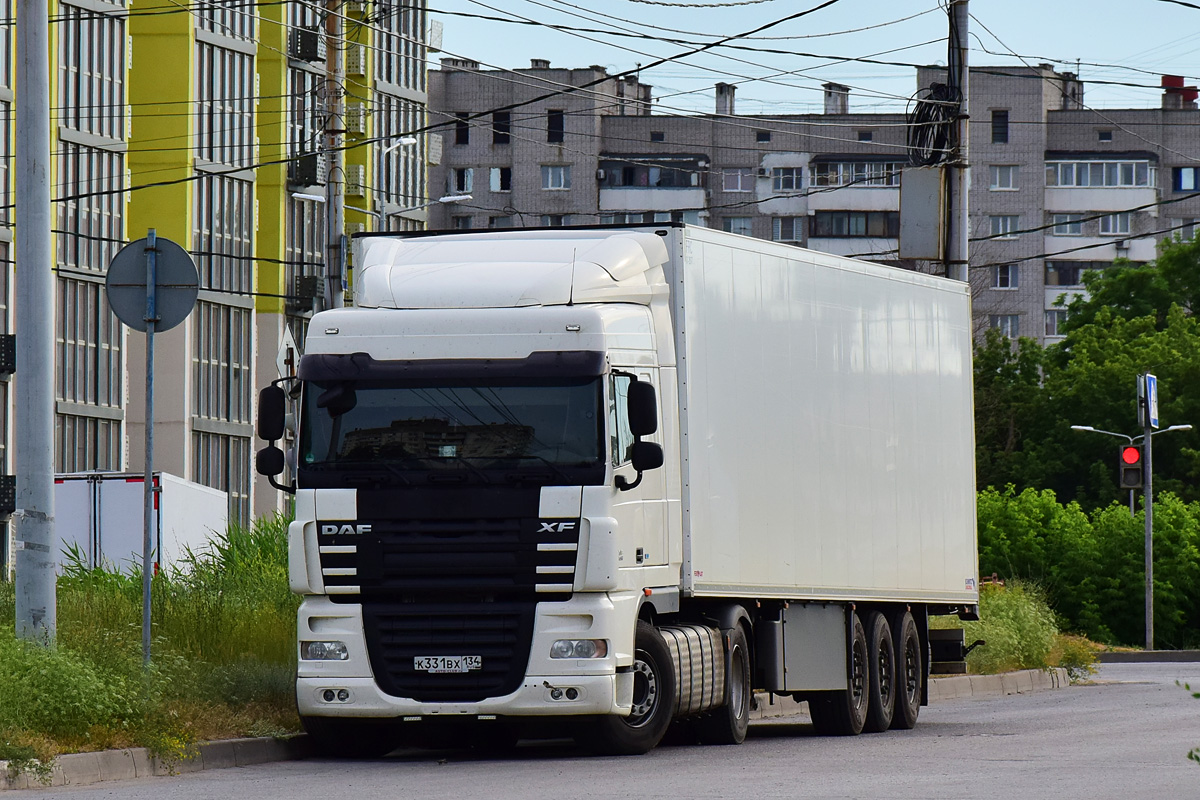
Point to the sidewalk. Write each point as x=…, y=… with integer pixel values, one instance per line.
x=79, y=769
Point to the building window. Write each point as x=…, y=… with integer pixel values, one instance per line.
x=1005, y=276
x=501, y=127
x=1055, y=317
x=500, y=179
x=864, y=136
x=1004, y=226
x=618, y=174
x=787, y=229
x=1069, y=273
x=855, y=224
x=657, y=136
x=500, y=222
x=1184, y=179
x=92, y=70
x=1104, y=136
x=1000, y=126
x=1114, y=224
x=1186, y=227
x=738, y=179
x=1008, y=324
x=762, y=136
x=786, y=179
x=856, y=173
x=1003, y=177
x=460, y=180
x=741, y=225
x=225, y=101
x=461, y=222
x=1067, y=224
x=556, y=176
x=462, y=128
x=555, y=220
x=554, y=125
x=1107, y=174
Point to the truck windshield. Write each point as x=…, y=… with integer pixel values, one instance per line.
x=472, y=429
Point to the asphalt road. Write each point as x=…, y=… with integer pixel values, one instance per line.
x=1126, y=736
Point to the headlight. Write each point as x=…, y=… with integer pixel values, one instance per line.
x=324, y=651
x=579, y=648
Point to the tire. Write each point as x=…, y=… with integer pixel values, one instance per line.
x=910, y=672
x=844, y=712
x=881, y=674
x=729, y=723
x=344, y=738
x=653, y=701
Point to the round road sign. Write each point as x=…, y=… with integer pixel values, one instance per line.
x=176, y=284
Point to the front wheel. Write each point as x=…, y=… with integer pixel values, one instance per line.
x=653, y=700
x=729, y=723
x=347, y=738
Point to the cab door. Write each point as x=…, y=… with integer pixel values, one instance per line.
x=641, y=512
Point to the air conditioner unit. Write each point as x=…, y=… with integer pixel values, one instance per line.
x=356, y=180
x=763, y=172
x=356, y=118
x=307, y=170
x=355, y=8
x=355, y=227
x=306, y=44
x=356, y=59
x=303, y=292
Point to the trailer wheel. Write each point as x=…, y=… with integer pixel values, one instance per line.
x=729, y=723
x=343, y=738
x=844, y=712
x=910, y=673
x=881, y=673
x=653, y=701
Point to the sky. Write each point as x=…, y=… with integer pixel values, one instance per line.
x=1119, y=41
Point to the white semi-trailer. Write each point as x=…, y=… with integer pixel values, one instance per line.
x=619, y=476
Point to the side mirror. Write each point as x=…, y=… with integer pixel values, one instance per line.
x=269, y=461
x=643, y=409
x=338, y=400
x=272, y=414
x=646, y=456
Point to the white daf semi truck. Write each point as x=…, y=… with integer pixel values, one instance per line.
x=619, y=476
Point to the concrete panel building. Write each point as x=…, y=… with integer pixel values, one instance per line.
x=1056, y=188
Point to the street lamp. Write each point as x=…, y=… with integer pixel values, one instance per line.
x=1148, y=494
x=382, y=214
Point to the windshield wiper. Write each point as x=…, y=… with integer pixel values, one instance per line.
x=362, y=468
x=554, y=468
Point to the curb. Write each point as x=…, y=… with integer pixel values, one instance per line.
x=80, y=769
x=954, y=687
x=1147, y=656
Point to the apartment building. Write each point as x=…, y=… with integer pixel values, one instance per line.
x=1056, y=188
x=204, y=122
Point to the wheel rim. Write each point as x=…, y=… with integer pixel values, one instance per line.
x=645, y=690
x=886, y=675
x=912, y=672
x=737, y=687
x=858, y=682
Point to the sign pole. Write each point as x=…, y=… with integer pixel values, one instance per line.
x=148, y=489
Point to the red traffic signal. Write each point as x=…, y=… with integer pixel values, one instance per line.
x=1129, y=469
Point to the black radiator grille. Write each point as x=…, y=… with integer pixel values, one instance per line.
x=499, y=633
x=452, y=573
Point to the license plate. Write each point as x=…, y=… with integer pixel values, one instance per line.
x=447, y=663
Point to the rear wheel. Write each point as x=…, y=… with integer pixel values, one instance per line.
x=844, y=712
x=910, y=672
x=729, y=723
x=881, y=673
x=653, y=700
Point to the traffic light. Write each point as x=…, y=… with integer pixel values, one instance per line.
x=1130, y=467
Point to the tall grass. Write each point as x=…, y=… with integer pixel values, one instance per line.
x=223, y=645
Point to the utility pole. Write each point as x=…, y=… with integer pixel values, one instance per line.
x=335, y=129
x=1148, y=411
x=34, y=516
x=958, y=178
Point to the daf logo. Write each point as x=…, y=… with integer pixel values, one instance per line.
x=344, y=530
x=553, y=527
